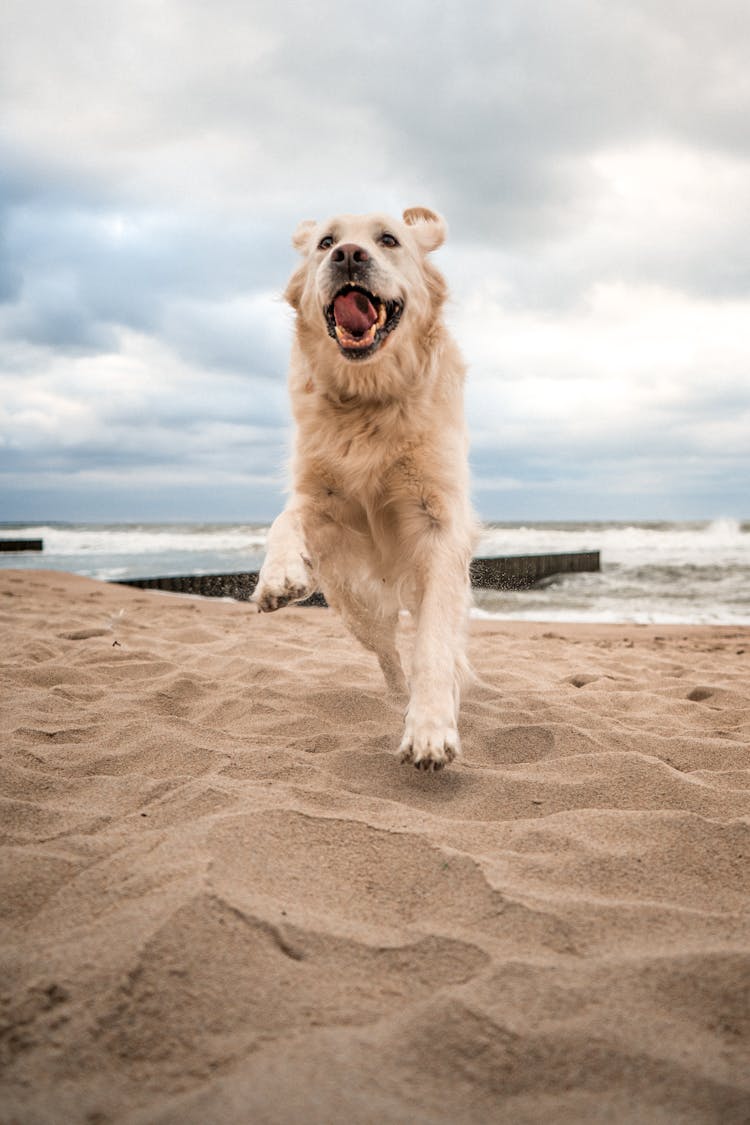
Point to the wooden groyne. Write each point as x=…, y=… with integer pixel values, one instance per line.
x=518, y=572
x=21, y=544
x=513, y=572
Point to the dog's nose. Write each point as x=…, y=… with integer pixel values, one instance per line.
x=349, y=253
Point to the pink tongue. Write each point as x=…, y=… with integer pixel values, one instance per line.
x=354, y=312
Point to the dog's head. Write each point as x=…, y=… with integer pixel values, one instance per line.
x=365, y=288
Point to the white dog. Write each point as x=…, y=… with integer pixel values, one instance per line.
x=379, y=515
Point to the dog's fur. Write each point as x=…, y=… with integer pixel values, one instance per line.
x=379, y=515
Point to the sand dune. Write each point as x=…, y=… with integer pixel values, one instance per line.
x=224, y=901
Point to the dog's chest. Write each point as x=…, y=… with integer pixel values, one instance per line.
x=354, y=453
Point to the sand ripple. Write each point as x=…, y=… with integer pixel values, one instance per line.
x=223, y=900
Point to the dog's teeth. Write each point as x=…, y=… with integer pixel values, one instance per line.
x=348, y=341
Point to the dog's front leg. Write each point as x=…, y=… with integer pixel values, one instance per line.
x=286, y=574
x=431, y=733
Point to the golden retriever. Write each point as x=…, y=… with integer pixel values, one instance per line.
x=379, y=515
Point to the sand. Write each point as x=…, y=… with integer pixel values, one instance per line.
x=222, y=899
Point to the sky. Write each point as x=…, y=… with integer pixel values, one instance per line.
x=591, y=157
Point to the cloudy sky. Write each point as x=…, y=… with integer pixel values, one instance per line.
x=592, y=158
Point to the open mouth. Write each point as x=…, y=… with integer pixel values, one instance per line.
x=359, y=321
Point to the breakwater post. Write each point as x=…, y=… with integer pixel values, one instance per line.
x=21, y=545
x=512, y=572
x=518, y=572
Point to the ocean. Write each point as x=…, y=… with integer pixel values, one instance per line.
x=660, y=573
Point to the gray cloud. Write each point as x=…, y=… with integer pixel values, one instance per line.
x=125, y=266
x=155, y=163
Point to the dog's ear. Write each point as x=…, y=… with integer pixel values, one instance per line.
x=429, y=228
x=296, y=287
x=303, y=235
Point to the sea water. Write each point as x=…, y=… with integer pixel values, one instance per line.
x=691, y=572
x=657, y=573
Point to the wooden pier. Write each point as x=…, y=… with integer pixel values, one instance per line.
x=513, y=572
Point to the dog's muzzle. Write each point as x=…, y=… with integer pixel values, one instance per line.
x=359, y=321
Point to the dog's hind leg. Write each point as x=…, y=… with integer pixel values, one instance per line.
x=375, y=628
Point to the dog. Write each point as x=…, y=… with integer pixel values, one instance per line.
x=379, y=516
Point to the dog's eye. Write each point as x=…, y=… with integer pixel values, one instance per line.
x=387, y=239
x=326, y=243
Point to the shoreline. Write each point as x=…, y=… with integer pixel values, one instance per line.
x=684, y=571
x=226, y=900
x=180, y=586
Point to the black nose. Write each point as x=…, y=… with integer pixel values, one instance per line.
x=349, y=253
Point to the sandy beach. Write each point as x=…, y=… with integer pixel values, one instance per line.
x=222, y=899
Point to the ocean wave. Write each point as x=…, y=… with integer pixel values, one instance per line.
x=144, y=539
x=663, y=573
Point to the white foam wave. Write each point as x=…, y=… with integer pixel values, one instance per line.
x=620, y=613
x=651, y=573
x=720, y=543
x=145, y=540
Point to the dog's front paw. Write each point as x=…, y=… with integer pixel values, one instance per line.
x=282, y=583
x=428, y=744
